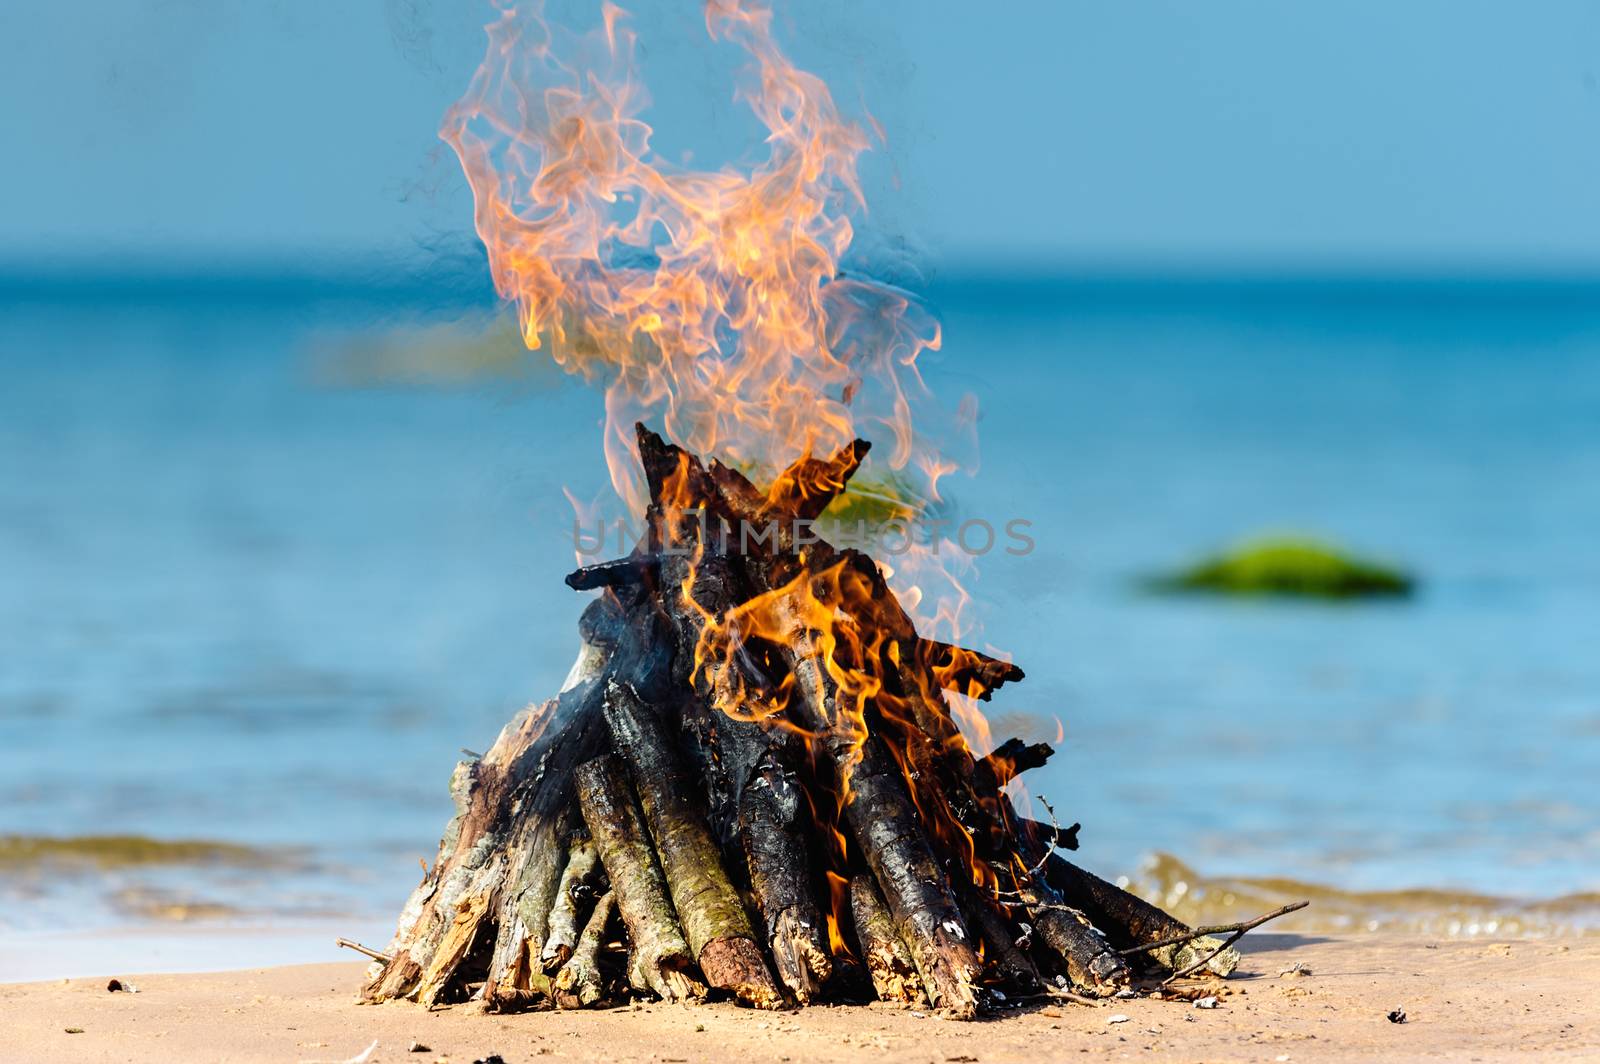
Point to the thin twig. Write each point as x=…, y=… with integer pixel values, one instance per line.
x=1057, y=994
x=1055, y=827
x=366, y=950
x=1239, y=931
x=1215, y=929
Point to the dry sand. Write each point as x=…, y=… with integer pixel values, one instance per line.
x=1465, y=1000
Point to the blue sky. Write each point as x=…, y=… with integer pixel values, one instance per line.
x=1122, y=132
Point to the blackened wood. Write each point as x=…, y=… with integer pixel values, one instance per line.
x=1001, y=951
x=662, y=961
x=805, y=489
x=968, y=672
x=771, y=819
x=880, y=813
x=933, y=744
x=621, y=572
x=1009, y=760
x=713, y=917
x=761, y=524
x=1042, y=834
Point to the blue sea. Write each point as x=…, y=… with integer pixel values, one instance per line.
x=269, y=560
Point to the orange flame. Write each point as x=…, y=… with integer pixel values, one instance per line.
x=710, y=299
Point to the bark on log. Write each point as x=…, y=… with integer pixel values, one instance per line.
x=770, y=811
x=581, y=982
x=572, y=902
x=888, y=960
x=661, y=960
x=1000, y=944
x=472, y=915
x=1091, y=965
x=713, y=917
x=1129, y=920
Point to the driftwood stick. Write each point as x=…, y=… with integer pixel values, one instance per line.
x=1092, y=965
x=581, y=983
x=367, y=951
x=572, y=899
x=1216, y=929
x=661, y=961
x=622, y=572
x=889, y=965
x=713, y=917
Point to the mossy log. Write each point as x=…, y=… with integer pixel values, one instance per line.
x=581, y=983
x=661, y=961
x=712, y=915
x=574, y=896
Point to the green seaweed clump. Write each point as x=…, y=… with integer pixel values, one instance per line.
x=1302, y=567
x=120, y=851
x=878, y=501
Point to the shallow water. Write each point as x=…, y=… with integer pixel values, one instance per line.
x=242, y=600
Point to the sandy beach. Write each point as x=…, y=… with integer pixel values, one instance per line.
x=1464, y=1000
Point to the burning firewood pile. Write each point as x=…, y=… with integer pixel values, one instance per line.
x=752, y=787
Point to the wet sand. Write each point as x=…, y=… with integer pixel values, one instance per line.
x=1464, y=1000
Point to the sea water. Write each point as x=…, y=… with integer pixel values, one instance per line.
x=258, y=592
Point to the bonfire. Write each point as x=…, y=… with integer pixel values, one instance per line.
x=767, y=777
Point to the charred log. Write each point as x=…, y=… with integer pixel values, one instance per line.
x=622, y=572
x=1009, y=760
